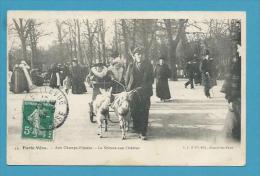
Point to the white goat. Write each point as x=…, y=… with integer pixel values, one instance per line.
x=101, y=108
x=121, y=106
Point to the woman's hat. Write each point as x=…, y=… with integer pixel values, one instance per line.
x=114, y=54
x=138, y=50
x=161, y=58
x=116, y=60
x=75, y=60
x=23, y=62
x=98, y=63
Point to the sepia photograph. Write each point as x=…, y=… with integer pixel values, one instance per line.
x=126, y=88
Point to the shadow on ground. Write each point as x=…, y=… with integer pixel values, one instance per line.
x=197, y=126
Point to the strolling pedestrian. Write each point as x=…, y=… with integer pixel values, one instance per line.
x=139, y=77
x=21, y=79
x=55, y=76
x=206, y=77
x=197, y=72
x=190, y=72
x=162, y=74
x=77, y=78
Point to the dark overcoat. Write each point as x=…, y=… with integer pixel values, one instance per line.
x=77, y=80
x=162, y=74
x=19, y=82
x=53, y=80
x=140, y=76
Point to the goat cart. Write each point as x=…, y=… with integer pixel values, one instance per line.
x=97, y=87
x=110, y=97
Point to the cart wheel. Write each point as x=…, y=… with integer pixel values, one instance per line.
x=91, y=117
x=106, y=123
x=91, y=114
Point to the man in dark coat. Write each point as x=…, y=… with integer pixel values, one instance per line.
x=213, y=71
x=197, y=73
x=162, y=74
x=139, y=76
x=190, y=72
x=206, y=77
x=77, y=78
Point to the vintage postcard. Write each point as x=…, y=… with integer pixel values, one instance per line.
x=126, y=88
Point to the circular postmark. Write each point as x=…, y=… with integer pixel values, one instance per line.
x=49, y=103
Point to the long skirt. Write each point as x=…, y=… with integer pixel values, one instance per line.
x=18, y=82
x=78, y=87
x=162, y=89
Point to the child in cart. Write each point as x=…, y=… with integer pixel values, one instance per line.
x=116, y=71
x=98, y=78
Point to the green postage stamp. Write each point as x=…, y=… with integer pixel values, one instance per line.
x=38, y=119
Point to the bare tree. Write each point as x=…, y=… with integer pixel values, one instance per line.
x=125, y=38
x=147, y=32
x=134, y=32
x=72, y=40
x=116, y=36
x=61, y=36
x=79, y=48
x=34, y=35
x=173, y=43
x=91, y=31
x=102, y=33
x=21, y=27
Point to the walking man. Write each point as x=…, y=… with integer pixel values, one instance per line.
x=206, y=77
x=139, y=76
x=190, y=72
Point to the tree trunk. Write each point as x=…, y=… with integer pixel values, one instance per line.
x=90, y=37
x=33, y=44
x=134, y=33
x=60, y=40
x=99, y=46
x=148, y=29
x=74, y=47
x=70, y=43
x=24, y=50
x=79, y=53
x=103, y=43
x=22, y=32
x=144, y=35
x=91, y=51
x=125, y=38
x=116, y=37
x=173, y=43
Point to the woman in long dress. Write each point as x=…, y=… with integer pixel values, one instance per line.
x=77, y=78
x=21, y=80
x=55, y=81
x=162, y=74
